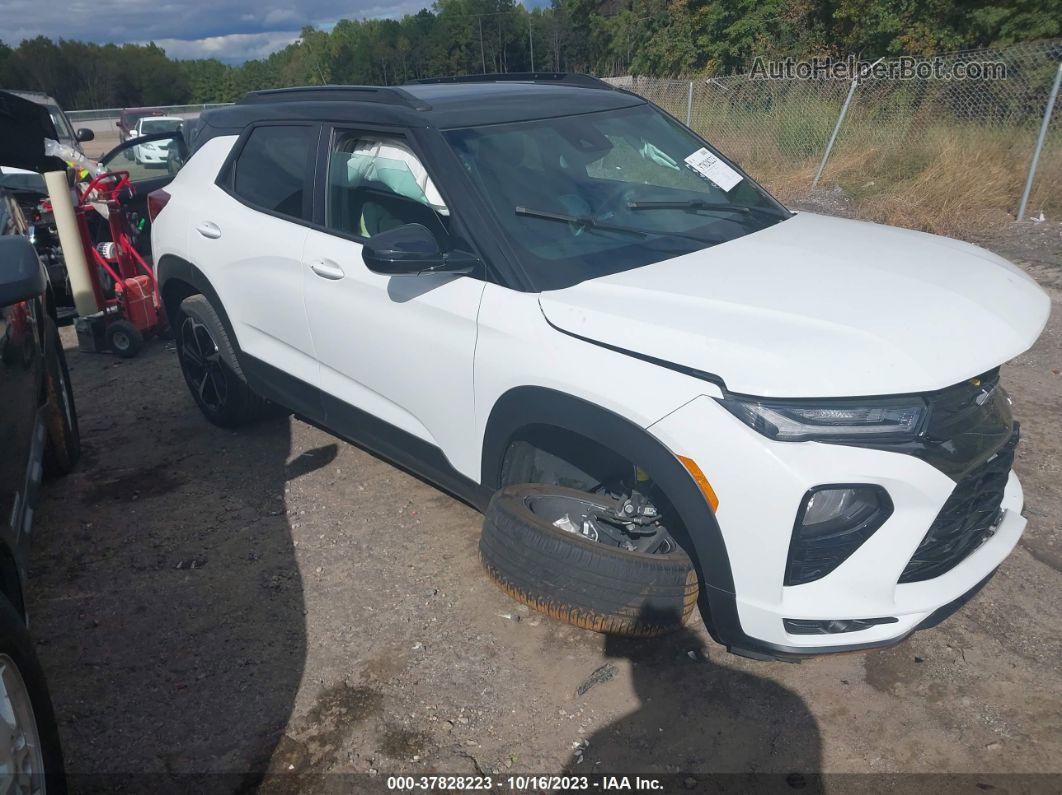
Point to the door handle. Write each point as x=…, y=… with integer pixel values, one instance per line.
x=209, y=229
x=327, y=269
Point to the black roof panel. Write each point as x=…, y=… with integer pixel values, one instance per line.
x=440, y=105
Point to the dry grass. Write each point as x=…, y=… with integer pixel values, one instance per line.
x=952, y=179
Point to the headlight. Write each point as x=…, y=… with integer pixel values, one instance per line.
x=892, y=419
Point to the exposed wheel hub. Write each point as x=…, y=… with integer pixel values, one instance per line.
x=632, y=523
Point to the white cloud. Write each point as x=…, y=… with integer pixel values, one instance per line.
x=234, y=47
x=232, y=30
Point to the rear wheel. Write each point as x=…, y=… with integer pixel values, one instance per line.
x=578, y=557
x=31, y=759
x=208, y=362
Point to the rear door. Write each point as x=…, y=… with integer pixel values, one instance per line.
x=247, y=233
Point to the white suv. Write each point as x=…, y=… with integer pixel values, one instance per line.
x=561, y=305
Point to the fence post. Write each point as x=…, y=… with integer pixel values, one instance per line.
x=689, y=105
x=1039, y=144
x=836, y=129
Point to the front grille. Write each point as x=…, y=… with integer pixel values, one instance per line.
x=967, y=520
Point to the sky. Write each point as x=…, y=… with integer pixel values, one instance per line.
x=229, y=30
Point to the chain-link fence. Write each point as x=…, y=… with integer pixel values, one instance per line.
x=942, y=143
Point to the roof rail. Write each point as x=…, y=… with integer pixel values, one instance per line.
x=564, y=78
x=386, y=95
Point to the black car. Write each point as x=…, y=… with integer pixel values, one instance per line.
x=38, y=438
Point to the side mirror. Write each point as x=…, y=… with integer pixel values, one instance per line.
x=84, y=135
x=412, y=249
x=21, y=275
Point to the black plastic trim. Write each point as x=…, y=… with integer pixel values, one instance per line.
x=527, y=406
x=387, y=95
x=885, y=510
x=805, y=626
x=553, y=78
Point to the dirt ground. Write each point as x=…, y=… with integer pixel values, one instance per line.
x=215, y=602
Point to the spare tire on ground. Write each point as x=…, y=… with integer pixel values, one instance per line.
x=548, y=563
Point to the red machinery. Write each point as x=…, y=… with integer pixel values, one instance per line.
x=130, y=307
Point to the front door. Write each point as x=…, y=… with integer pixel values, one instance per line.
x=399, y=348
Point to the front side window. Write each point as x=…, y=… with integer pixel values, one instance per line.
x=589, y=195
x=270, y=172
x=377, y=183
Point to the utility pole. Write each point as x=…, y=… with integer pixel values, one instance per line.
x=482, y=57
x=531, y=42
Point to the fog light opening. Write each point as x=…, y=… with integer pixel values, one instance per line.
x=832, y=522
x=833, y=626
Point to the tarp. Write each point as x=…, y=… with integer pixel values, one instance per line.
x=24, y=126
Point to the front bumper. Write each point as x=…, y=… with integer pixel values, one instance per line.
x=759, y=484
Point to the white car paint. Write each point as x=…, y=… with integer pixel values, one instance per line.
x=817, y=307
x=259, y=266
x=812, y=306
x=760, y=482
x=152, y=153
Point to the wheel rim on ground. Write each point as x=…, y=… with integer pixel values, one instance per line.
x=585, y=517
x=21, y=757
x=120, y=340
x=201, y=361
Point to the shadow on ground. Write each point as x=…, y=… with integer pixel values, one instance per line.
x=166, y=586
x=749, y=732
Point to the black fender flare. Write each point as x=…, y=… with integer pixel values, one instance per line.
x=172, y=267
x=525, y=406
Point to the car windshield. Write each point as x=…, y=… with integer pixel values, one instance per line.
x=151, y=126
x=590, y=195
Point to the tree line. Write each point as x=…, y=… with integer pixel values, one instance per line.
x=661, y=38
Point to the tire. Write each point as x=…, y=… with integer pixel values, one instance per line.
x=62, y=448
x=22, y=683
x=579, y=581
x=211, y=369
x=124, y=339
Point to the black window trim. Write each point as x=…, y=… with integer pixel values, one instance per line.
x=227, y=174
x=459, y=229
x=324, y=152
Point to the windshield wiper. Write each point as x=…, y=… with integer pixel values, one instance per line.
x=589, y=222
x=700, y=204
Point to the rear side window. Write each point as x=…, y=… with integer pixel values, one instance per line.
x=271, y=169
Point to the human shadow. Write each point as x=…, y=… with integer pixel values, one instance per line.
x=702, y=724
x=167, y=590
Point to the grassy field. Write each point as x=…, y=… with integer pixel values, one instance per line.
x=924, y=168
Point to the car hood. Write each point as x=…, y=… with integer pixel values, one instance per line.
x=816, y=306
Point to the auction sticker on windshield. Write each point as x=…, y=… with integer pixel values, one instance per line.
x=712, y=167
